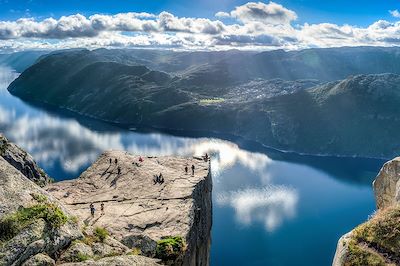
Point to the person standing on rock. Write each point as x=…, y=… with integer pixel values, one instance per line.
x=186, y=169
x=102, y=208
x=161, y=179
x=119, y=170
x=92, y=209
x=192, y=169
x=116, y=160
x=110, y=161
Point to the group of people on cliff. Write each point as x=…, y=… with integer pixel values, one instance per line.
x=157, y=179
x=93, y=209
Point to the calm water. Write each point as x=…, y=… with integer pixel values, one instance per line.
x=270, y=208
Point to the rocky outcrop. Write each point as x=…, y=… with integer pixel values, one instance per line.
x=22, y=161
x=76, y=250
x=387, y=184
x=31, y=220
x=139, y=212
x=127, y=260
x=377, y=241
x=143, y=220
x=39, y=260
x=87, y=249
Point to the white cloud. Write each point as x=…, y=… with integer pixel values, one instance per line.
x=76, y=26
x=271, y=13
x=222, y=14
x=395, y=13
x=255, y=25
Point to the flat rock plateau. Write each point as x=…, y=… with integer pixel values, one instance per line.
x=143, y=223
x=138, y=210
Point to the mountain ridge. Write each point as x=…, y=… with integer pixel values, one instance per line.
x=305, y=116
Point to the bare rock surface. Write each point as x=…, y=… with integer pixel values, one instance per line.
x=39, y=260
x=126, y=260
x=16, y=192
x=342, y=250
x=108, y=247
x=387, y=184
x=138, y=212
x=76, y=249
x=22, y=161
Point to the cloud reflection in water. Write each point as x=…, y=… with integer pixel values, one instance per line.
x=49, y=138
x=269, y=205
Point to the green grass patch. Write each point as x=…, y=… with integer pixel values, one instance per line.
x=170, y=248
x=212, y=101
x=101, y=233
x=381, y=231
x=74, y=219
x=112, y=254
x=13, y=223
x=81, y=257
x=89, y=240
x=135, y=251
x=360, y=256
x=39, y=197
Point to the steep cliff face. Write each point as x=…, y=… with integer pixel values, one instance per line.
x=387, y=184
x=141, y=213
x=199, y=235
x=23, y=162
x=377, y=241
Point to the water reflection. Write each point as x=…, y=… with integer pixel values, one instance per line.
x=51, y=139
x=269, y=205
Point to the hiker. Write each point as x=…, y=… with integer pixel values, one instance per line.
x=140, y=159
x=155, y=179
x=116, y=160
x=192, y=169
x=110, y=161
x=161, y=179
x=102, y=208
x=206, y=157
x=186, y=169
x=92, y=209
x=119, y=170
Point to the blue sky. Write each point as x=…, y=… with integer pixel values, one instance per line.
x=360, y=13
x=185, y=24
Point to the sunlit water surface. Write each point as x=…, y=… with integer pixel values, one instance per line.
x=269, y=208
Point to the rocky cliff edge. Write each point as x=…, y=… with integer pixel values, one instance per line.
x=143, y=222
x=377, y=241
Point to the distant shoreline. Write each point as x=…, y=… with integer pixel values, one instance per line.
x=64, y=111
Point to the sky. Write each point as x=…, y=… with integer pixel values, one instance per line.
x=198, y=25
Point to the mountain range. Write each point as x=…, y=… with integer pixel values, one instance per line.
x=340, y=101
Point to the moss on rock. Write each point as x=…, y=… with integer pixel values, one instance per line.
x=170, y=248
x=13, y=223
x=101, y=233
x=377, y=241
